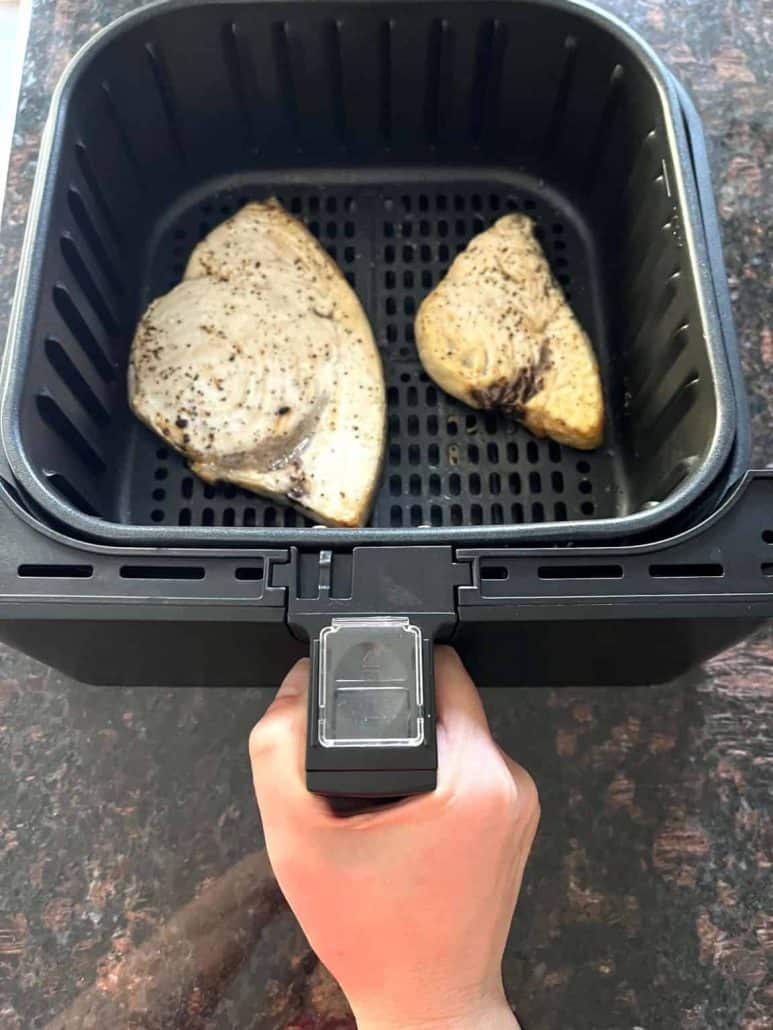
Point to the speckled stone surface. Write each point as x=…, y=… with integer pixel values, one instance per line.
x=133, y=888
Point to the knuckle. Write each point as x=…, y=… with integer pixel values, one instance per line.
x=495, y=794
x=445, y=794
x=515, y=790
x=528, y=795
x=257, y=740
x=281, y=723
x=265, y=736
x=507, y=794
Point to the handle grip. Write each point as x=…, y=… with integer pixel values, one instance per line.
x=371, y=709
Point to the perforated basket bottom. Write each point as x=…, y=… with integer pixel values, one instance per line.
x=446, y=464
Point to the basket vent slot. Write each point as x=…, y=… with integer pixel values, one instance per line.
x=604, y=133
x=579, y=572
x=166, y=94
x=662, y=423
x=563, y=93
x=486, y=87
x=385, y=79
x=163, y=572
x=284, y=72
x=249, y=572
x=687, y=570
x=84, y=163
x=82, y=334
x=652, y=314
x=88, y=229
x=70, y=375
x=123, y=135
x=242, y=77
x=56, y=571
x=85, y=281
x=337, y=92
x=435, y=40
x=494, y=572
x=68, y=432
x=63, y=486
x=673, y=478
x=659, y=369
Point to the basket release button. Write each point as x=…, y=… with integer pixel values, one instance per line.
x=370, y=690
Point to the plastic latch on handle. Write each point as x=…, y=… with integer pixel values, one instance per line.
x=371, y=689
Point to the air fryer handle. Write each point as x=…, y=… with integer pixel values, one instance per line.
x=371, y=727
x=372, y=617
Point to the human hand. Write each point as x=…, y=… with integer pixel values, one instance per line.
x=408, y=905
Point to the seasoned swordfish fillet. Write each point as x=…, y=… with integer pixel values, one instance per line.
x=261, y=368
x=497, y=332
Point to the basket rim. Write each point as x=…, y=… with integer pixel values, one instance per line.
x=599, y=530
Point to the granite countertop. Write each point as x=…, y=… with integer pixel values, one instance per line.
x=133, y=887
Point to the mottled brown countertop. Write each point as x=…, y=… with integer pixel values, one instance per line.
x=130, y=862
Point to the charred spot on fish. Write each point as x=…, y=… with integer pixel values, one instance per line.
x=284, y=410
x=181, y=422
x=512, y=395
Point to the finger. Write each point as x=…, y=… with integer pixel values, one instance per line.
x=528, y=795
x=457, y=698
x=527, y=813
x=278, y=750
x=276, y=732
x=295, y=685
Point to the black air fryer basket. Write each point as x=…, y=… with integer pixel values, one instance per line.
x=396, y=131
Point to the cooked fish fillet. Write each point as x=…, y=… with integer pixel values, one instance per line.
x=497, y=332
x=261, y=368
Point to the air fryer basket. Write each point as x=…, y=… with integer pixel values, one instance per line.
x=396, y=131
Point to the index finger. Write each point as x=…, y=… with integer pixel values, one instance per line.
x=278, y=751
x=456, y=696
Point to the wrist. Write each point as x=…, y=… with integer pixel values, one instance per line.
x=488, y=1013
